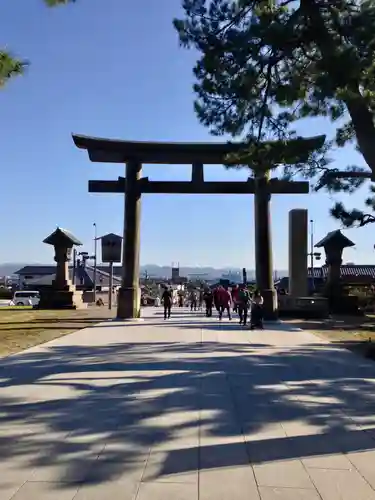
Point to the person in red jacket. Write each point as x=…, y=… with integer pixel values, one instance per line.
x=235, y=292
x=225, y=302
x=215, y=294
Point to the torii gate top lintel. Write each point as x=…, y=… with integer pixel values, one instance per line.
x=212, y=153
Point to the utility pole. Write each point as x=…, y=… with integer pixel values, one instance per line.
x=74, y=266
x=95, y=258
x=110, y=292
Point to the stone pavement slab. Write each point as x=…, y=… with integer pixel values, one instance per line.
x=188, y=408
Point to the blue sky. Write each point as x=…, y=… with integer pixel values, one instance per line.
x=113, y=68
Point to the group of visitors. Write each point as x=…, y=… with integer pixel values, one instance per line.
x=239, y=301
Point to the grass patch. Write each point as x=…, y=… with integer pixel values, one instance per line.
x=21, y=328
x=14, y=308
x=352, y=332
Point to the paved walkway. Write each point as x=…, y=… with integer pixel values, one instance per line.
x=186, y=409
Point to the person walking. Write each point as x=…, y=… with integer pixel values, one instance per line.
x=243, y=303
x=235, y=292
x=201, y=293
x=225, y=302
x=208, y=298
x=257, y=310
x=215, y=296
x=167, y=299
x=193, y=300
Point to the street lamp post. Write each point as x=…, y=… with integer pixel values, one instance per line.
x=95, y=258
x=313, y=255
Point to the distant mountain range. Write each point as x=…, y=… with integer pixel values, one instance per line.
x=8, y=269
x=152, y=270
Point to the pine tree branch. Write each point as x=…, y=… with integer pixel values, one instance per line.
x=367, y=219
x=54, y=3
x=333, y=174
x=351, y=218
x=10, y=67
x=240, y=15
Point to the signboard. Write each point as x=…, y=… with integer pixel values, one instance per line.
x=111, y=248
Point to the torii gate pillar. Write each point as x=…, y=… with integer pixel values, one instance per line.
x=263, y=247
x=129, y=296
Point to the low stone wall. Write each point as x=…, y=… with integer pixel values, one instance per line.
x=303, y=307
x=346, y=304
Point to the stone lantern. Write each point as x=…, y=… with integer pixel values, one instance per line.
x=62, y=294
x=334, y=244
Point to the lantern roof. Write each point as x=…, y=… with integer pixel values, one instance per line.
x=61, y=237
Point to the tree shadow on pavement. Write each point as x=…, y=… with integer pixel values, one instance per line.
x=93, y=413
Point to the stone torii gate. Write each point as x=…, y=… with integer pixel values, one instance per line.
x=133, y=185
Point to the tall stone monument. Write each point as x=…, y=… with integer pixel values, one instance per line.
x=62, y=294
x=298, y=236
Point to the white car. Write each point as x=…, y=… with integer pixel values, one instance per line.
x=25, y=298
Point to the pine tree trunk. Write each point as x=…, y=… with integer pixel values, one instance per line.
x=363, y=124
x=359, y=112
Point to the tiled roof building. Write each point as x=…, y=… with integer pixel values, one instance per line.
x=348, y=272
x=84, y=275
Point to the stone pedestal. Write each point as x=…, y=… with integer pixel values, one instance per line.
x=270, y=308
x=129, y=303
x=298, y=236
x=333, y=289
x=67, y=298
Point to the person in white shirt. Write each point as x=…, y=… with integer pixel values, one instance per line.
x=257, y=298
x=257, y=310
